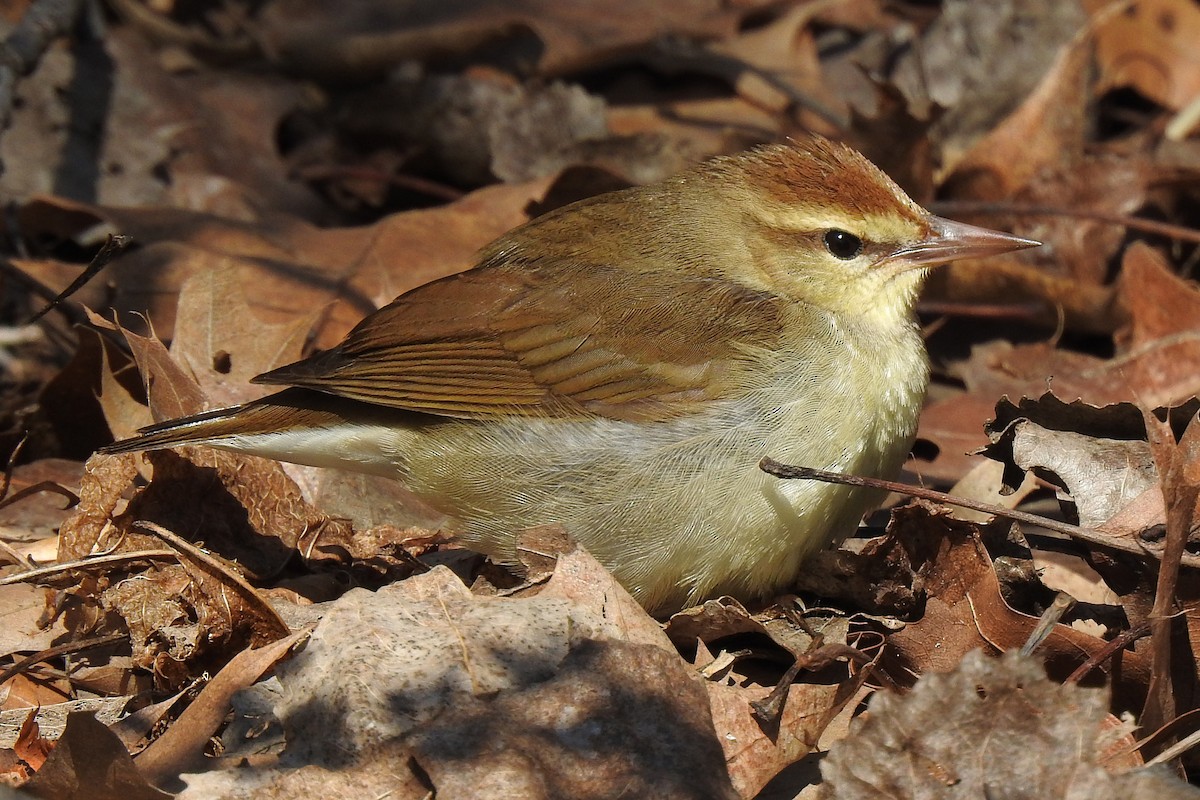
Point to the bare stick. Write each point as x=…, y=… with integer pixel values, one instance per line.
x=113, y=247
x=1091, y=535
x=61, y=650
x=34, y=575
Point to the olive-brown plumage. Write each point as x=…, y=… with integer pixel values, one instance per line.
x=622, y=364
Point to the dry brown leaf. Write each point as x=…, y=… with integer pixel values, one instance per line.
x=30, y=747
x=363, y=38
x=978, y=62
x=776, y=66
x=105, y=479
x=1044, y=132
x=1162, y=344
x=200, y=139
x=698, y=128
x=1036, y=157
x=1101, y=476
x=38, y=516
x=753, y=755
x=1149, y=45
x=616, y=718
x=989, y=727
x=483, y=125
x=374, y=778
x=965, y=610
x=244, y=507
x=183, y=743
x=90, y=763
x=21, y=607
x=224, y=344
x=287, y=268
x=170, y=389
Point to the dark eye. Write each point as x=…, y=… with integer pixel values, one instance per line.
x=842, y=244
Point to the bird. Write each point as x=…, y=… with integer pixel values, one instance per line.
x=621, y=365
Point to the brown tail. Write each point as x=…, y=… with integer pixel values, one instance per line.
x=291, y=409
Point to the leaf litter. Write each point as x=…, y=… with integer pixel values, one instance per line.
x=269, y=213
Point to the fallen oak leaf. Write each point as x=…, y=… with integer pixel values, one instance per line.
x=965, y=610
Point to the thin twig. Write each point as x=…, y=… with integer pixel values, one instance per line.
x=19, y=558
x=1090, y=535
x=1177, y=749
x=6, y=480
x=1063, y=603
x=34, y=575
x=50, y=487
x=112, y=247
x=1115, y=645
x=330, y=172
x=1179, y=495
x=61, y=650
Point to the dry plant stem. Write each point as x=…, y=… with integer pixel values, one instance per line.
x=1187, y=721
x=325, y=172
x=1063, y=603
x=19, y=558
x=34, y=575
x=112, y=247
x=1090, y=535
x=38, y=488
x=1177, y=232
x=73, y=315
x=61, y=650
x=43, y=22
x=6, y=481
x=1179, y=495
x=1177, y=749
x=1112, y=647
x=196, y=554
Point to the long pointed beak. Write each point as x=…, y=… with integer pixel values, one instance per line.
x=950, y=241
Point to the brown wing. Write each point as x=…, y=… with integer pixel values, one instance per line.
x=502, y=339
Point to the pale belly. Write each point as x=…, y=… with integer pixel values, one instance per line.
x=678, y=511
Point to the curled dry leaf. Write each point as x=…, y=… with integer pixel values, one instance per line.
x=1099, y=454
x=1149, y=46
x=965, y=610
x=184, y=742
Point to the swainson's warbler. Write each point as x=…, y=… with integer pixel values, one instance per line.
x=621, y=365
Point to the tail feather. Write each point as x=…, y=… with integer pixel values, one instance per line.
x=292, y=410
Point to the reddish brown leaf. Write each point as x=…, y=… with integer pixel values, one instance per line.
x=183, y=743
x=90, y=763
